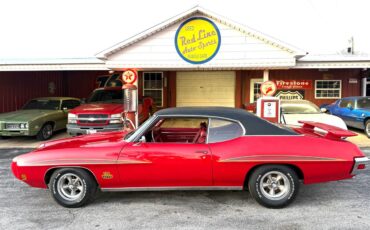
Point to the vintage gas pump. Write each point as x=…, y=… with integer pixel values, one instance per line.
x=268, y=107
x=130, y=101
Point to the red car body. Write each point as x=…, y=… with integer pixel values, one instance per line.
x=119, y=164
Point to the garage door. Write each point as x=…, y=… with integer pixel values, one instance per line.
x=205, y=88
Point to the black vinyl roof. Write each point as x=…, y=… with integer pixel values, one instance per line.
x=252, y=124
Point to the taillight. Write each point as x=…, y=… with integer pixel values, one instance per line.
x=361, y=166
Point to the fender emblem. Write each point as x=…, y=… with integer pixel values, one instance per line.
x=23, y=177
x=107, y=175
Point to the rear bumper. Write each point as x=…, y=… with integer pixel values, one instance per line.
x=74, y=129
x=358, y=161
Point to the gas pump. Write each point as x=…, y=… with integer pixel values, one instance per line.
x=268, y=107
x=131, y=100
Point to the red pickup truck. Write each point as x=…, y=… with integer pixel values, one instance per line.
x=103, y=112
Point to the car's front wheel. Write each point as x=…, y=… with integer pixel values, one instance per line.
x=367, y=128
x=274, y=186
x=72, y=187
x=45, y=132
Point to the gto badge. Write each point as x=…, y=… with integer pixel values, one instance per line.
x=107, y=175
x=23, y=177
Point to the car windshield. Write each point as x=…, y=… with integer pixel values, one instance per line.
x=299, y=108
x=363, y=103
x=109, y=96
x=42, y=104
x=133, y=134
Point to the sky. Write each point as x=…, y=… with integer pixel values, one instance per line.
x=78, y=28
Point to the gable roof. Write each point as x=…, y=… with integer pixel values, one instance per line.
x=199, y=10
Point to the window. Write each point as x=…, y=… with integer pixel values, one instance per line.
x=223, y=130
x=255, y=91
x=153, y=86
x=345, y=103
x=70, y=104
x=178, y=130
x=328, y=89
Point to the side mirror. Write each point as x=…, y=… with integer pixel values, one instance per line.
x=142, y=139
x=324, y=110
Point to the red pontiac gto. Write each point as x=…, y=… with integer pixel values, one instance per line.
x=200, y=148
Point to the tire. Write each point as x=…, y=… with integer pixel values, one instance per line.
x=367, y=128
x=72, y=187
x=284, y=185
x=45, y=133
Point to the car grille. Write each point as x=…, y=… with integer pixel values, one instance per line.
x=96, y=119
x=12, y=126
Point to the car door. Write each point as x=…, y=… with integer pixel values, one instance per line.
x=165, y=162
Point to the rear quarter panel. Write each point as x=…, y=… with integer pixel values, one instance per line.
x=319, y=159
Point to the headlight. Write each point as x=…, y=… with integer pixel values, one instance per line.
x=115, y=118
x=72, y=118
x=23, y=126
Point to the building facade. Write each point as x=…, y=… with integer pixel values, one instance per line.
x=196, y=58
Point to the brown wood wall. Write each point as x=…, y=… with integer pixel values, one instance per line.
x=16, y=88
x=335, y=74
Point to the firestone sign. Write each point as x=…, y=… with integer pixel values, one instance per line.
x=197, y=40
x=294, y=84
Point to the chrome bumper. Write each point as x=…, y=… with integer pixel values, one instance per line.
x=359, y=161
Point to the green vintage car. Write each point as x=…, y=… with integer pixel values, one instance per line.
x=39, y=117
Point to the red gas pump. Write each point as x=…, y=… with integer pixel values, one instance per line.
x=130, y=101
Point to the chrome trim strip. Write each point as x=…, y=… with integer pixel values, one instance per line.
x=259, y=158
x=66, y=162
x=170, y=188
x=357, y=162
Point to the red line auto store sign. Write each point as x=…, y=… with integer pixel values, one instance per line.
x=292, y=89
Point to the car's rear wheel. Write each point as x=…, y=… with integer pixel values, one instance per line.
x=45, y=132
x=367, y=128
x=274, y=186
x=72, y=187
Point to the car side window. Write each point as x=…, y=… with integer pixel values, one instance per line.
x=70, y=104
x=223, y=130
x=343, y=103
x=178, y=130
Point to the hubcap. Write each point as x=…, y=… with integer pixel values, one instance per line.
x=368, y=129
x=70, y=187
x=275, y=185
x=47, y=131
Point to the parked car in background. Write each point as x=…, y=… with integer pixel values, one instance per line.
x=355, y=111
x=303, y=110
x=196, y=148
x=103, y=112
x=39, y=117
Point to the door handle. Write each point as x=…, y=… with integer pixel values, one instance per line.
x=202, y=151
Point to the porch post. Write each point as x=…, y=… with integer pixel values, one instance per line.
x=265, y=75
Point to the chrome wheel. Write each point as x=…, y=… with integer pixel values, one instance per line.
x=367, y=128
x=70, y=187
x=275, y=185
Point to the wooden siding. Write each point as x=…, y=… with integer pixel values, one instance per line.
x=237, y=49
x=16, y=88
x=311, y=74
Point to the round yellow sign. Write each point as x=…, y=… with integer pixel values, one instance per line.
x=197, y=40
